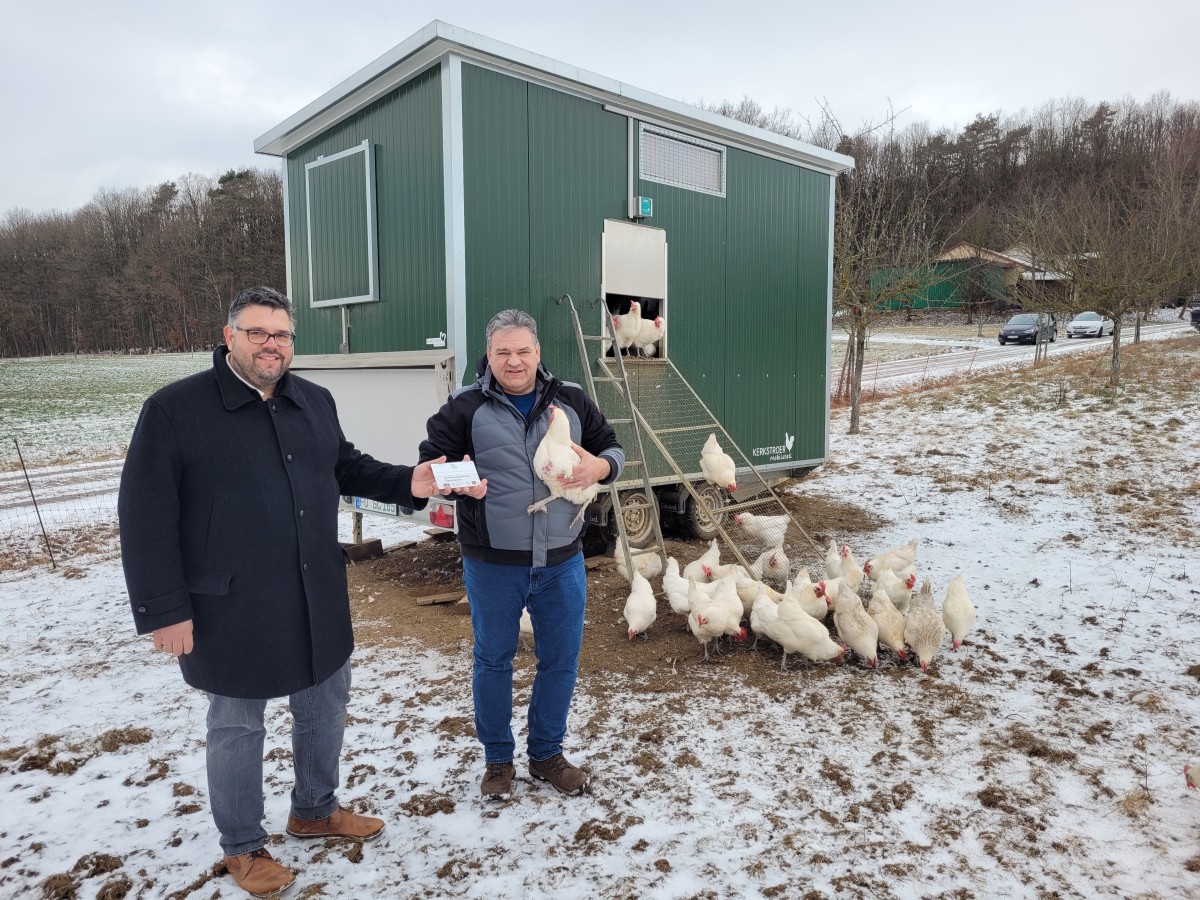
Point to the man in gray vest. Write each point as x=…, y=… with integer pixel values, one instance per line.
x=514, y=559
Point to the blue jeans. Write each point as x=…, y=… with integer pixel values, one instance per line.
x=235, y=759
x=555, y=596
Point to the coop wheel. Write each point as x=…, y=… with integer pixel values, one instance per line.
x=639, y=518
x=697, y=520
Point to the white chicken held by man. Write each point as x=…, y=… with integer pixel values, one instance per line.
x=556, y=458
x=717, y=466
x=641, y=609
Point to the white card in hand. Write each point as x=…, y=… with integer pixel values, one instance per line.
x=455, y=474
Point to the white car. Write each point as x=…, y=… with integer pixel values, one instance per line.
x=1090, y=324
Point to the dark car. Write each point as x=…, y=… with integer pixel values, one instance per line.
x=1023, y=329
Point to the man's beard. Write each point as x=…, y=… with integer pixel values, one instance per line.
x=259, y=380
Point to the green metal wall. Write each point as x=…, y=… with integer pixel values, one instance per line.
x=542, y=171
x=405, y=128
x=748, y=308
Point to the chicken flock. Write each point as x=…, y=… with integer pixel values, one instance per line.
x=874, y=606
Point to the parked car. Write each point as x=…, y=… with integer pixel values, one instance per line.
x=1023, y=329
x=1090, y=324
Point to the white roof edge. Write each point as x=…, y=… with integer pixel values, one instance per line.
x=439, y=38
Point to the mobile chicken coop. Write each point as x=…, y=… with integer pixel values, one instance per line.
x=456, y=176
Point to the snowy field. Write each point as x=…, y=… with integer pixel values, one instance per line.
x=1043, y=759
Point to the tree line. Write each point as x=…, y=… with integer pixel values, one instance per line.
x=1109, y=192
x=1106, y=195
x=138, y=269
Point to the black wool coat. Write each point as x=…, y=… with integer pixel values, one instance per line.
x=228, y=512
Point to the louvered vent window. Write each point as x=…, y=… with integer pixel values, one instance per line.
x=682, y=161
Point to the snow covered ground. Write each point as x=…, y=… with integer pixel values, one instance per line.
x=1043, y=759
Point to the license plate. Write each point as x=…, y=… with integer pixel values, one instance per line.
x=375, y=506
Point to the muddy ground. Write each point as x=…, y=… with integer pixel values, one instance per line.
x=385, y=592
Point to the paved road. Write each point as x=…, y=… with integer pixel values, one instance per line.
x=944, y=364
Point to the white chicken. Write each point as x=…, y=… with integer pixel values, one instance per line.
x=766, y=531
x=856, y=629
x=641, y=609
x=627, y=326
x=1191, y=774
x=717, y=466
x=725, y=591
x=890, y=622
x=648, y=562
x=711, y=617
x=676, y=588
x=748, y=589
x=717, y=572
x=798, y=632
x=802, y=578
x=899, y=590
x=923, y=629
x=526, y=629
x=700, y=569
x=833, y=561
x=828, y=589
x=805, y=593
x=764, y=615
x=851, y=570
x=555, y=458
x=650, y=332
x=897, y=559
x=957, y=611
x=771, y=565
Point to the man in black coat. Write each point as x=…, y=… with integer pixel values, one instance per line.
x=228, y=511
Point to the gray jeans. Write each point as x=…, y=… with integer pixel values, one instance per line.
x=235, y=759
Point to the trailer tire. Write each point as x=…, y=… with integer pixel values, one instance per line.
x=638, y=514
x=696, y=520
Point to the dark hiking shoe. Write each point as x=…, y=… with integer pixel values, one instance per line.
x=496, y=785
x=566, y=778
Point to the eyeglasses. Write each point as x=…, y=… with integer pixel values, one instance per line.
x=258, y=336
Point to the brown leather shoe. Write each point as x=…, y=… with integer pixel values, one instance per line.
x=341, y=823
x=566, y=778
x=258, y=874
x=496, y=785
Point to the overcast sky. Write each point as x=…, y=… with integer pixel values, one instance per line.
x=129, y=94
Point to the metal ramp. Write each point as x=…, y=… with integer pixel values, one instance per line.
x=657, y=403
x=639, y=505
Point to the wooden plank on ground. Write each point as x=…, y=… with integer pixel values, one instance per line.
x=448, y=597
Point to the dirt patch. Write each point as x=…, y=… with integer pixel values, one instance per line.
x=385, y=592
x=114, y=740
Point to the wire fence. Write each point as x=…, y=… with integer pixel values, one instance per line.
x=52, y=514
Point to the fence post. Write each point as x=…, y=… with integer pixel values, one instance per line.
x=33, y=497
